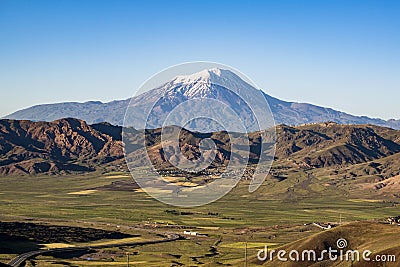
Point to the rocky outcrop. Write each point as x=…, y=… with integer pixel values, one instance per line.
x=66, y=145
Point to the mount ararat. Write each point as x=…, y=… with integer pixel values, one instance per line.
x=211, y=83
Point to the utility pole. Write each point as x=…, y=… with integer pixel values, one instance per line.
x=245, y=254
x=127, y=259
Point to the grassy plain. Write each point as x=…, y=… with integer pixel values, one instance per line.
x=275, y=214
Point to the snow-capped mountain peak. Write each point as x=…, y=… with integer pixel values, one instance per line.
x=206, y=75
x=200, y=84
x=214, y=75
x=220, y=84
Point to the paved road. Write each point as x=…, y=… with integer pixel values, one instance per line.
x=17, y=261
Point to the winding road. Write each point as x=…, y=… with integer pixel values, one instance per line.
x=17, y=261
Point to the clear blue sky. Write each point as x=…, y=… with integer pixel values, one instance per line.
x=340, y=54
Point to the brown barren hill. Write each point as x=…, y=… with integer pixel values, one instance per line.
x=71, y=145
x=64, y=145
x=380, y=239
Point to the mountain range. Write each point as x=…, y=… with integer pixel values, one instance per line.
x=61, y=146
x=71, y=145
x=213, y=84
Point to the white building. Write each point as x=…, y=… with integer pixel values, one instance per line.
x=190, y=233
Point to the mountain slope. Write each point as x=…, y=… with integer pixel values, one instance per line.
x=91, y=112
x=205, y=84
x=361, y=236
x=66, y=145
x=69, y=145
x=329, y=144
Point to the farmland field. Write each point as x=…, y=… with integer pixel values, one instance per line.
x=226, y=226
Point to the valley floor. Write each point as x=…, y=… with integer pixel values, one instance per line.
x=226, y=227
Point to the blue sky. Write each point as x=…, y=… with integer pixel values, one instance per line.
x=339, y=54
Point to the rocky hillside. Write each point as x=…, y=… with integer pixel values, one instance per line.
x=71, y=145
x=66, y=145
x=328, y=144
